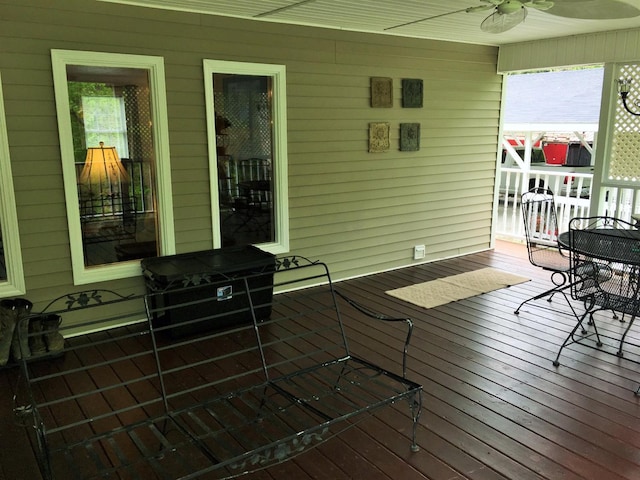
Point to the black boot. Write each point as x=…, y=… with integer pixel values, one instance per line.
x=52, y=337
x=7, y=327
x=36, y=340
x=20, y=343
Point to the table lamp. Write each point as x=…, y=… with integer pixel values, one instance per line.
x=101, y=166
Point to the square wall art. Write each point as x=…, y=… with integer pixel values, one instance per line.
x=409, y=137
x=379, y=137
x=381, y=92
x=412, y=92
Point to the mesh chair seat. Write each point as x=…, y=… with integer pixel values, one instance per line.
x=550, y=258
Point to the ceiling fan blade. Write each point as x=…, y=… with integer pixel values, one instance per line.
x=490, y=3
x=499, y=22
x=426, y=18
x=479, y=8
x=540, y=4
x=593, y=9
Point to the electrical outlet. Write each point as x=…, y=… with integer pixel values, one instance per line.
x=419, y=252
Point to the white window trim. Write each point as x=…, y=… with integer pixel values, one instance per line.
x=155, y=65
x=14, y=285
x=280, y=160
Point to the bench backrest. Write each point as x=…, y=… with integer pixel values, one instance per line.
x=104, y=377
x=126, y=359
x=224, y=335
x=305, y=328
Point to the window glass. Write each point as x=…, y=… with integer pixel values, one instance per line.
x=116, y=223
x=245, y=158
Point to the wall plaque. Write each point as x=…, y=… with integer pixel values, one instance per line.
x=379, y=137
x=412, y=92
x=409, y=137
x=381, y=92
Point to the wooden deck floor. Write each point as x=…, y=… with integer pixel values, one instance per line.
x=494, y=405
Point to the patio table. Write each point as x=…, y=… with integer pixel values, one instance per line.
x=605, y=272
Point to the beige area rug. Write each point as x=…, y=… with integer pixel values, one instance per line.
x=456, y=287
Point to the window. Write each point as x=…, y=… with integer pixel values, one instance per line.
x=11, y=271
x=246, y=113
x=115, y=161
x=105, y=121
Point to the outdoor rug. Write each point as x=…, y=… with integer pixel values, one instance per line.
x=456, y=287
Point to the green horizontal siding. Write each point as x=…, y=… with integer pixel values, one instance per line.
x=361, y=212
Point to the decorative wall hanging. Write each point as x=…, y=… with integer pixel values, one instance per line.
x=412, y=92
x=379, y=137
x=381, y=92
x=409, y=137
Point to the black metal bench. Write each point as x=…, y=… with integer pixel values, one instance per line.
x=135, y=395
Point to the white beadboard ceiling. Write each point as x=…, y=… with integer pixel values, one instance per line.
x=377, y=16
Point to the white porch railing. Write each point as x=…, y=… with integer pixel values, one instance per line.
x=572, y=192
x=620, y=202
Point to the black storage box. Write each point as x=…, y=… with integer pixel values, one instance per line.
x=209, y=283
x=578, y=156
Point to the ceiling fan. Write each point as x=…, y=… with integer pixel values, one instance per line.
x=509, y=13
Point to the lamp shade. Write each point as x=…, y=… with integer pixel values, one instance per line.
x=102, y=164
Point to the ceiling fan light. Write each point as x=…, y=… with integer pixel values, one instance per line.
x=509, y=6
x=499, y=23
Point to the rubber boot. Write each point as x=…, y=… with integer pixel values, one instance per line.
x=7, y=327
x=20, y=344
x=52, y=337
x=36, y=340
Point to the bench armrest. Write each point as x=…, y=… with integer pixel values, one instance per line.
x=379, y=316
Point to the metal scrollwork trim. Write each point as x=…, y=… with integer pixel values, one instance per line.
x=282, y=450
x=287, y=263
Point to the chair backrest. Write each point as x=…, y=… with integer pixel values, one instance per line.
x=252, y=169
x=227, y=178
x=254, y=176
x=604, y=257
x=540, y=225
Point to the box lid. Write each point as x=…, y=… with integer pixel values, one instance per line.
x=221, y=260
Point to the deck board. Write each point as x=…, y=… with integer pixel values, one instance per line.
x=494, y=406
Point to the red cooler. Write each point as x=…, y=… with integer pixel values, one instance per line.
x=555, y=152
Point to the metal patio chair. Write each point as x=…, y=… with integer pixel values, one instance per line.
x=541, y=233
